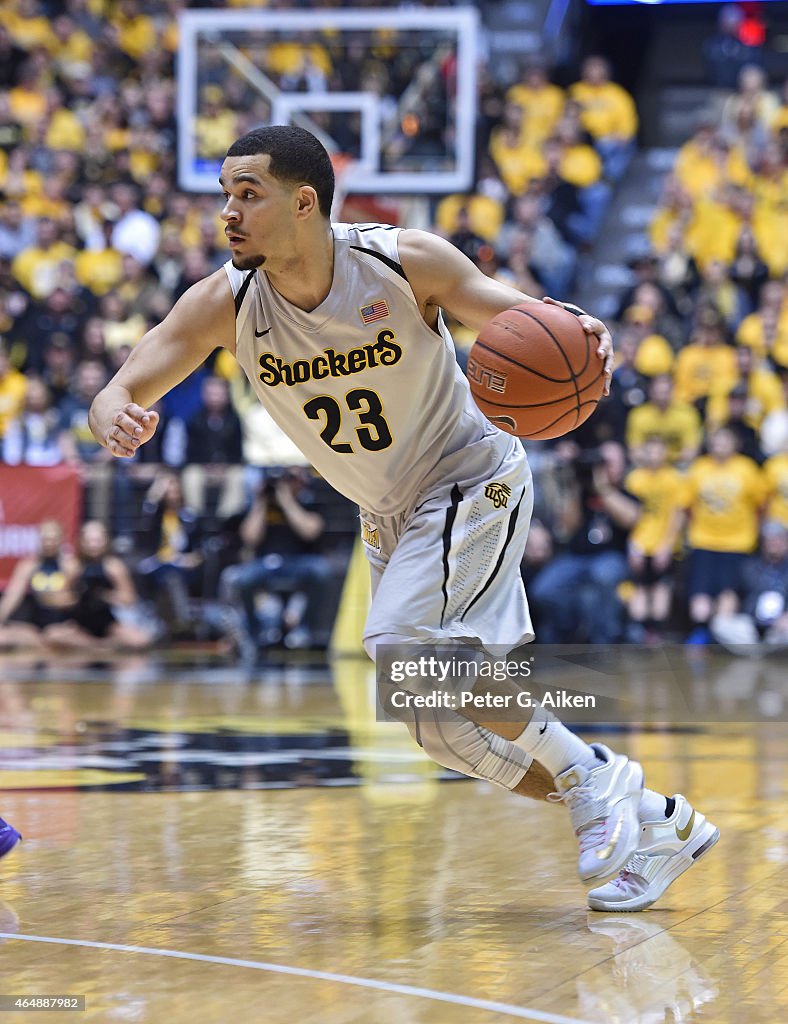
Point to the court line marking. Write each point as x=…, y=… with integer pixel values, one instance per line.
x=304, y=972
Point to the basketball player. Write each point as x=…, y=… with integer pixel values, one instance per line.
x=340, y=331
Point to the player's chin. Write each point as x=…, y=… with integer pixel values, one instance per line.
x=248, y=262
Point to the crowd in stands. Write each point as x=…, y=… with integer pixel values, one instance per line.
x=677, y=486
x=689, y=452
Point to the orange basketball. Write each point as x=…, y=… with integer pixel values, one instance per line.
x=534, y=371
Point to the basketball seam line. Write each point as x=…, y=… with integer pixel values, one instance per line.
x=522, y=366
x=519, y=309
x=539, y=405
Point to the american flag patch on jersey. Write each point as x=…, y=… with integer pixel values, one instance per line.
x=374, y=311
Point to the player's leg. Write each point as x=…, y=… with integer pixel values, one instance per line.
x=456, y=742
x=453, y=742
x=453, y=573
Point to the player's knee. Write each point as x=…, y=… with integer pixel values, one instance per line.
x=441, y=744
x=473, y=750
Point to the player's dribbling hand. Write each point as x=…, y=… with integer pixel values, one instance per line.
x=593, y=326
x=131, y=427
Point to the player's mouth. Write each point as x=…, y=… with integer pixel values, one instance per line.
x=234, y=239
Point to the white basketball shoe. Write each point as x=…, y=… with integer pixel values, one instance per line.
x=603, y=805
x=666, y=849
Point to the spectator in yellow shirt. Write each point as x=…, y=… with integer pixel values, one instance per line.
x=12, y=390
x=724, y=495
x=766, y=330
x=136, y=32
x=707, y=161
x=27, y=25
x=707, y=365
x=64, y=129
x=763, y=390
x=718, y=291
x=100, y=270
x=751, y=95
x=775, y=471
x=715, y=226
x=28, y=99
x=609, y=115
x=676, y=423
x=217, y=125
x=652, y=542
x=36, y=268
x=580, y=164
x=484, y=215
x=540, y=101
x=674, y=211
x=518, y=162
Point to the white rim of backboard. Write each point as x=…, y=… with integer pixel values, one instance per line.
x=463, y=20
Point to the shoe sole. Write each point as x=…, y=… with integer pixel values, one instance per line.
x=684, y=860
x=628, y=842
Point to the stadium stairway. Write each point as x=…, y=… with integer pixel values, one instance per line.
x=604, y=271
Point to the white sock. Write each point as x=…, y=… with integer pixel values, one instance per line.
x=553, y=745
x=652, y=806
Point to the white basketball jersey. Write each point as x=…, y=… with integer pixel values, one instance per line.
x=371, y=395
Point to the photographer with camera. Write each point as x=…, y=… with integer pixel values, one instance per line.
x=575, y=595
x=280, y=535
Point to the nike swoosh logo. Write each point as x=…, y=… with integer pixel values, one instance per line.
x=683, y=834
x=543, y=729
x=261, y=334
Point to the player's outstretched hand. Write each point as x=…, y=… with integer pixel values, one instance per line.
x=131, y=426
x=593, y=326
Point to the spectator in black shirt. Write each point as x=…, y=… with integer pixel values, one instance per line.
x=214, y=452
x=575, y=595
x=172, y=533
x=280, y=533
x=465, y=238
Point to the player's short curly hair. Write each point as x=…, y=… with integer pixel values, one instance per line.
x=297, y=157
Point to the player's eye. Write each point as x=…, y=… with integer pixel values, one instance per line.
x=226, y=196
x=249, y=195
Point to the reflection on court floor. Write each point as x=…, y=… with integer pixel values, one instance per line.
x=204, y=845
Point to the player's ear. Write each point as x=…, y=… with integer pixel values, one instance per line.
x=306, y=201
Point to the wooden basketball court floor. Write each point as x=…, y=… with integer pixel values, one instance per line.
x=202, y=846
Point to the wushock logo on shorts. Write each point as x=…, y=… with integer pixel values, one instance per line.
x=498, y=494
x=370, y=535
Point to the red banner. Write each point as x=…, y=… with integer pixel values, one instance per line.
x=28, y=496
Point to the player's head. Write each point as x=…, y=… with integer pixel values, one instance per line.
x=274, y=178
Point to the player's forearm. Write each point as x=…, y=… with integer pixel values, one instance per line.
x=105, y=406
